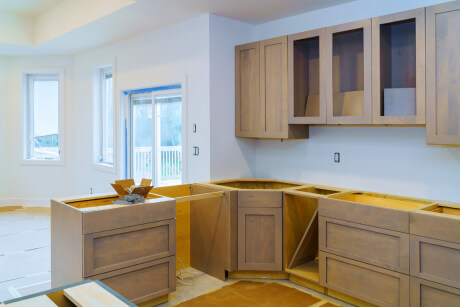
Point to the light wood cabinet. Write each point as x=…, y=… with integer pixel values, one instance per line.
x=426, y=293
x=398, y=68
x=261, y=90
x=384, y=248
x=369, y=283
x=247, y=90
x=435, y=260
x=443, y=74
x=307, y=77
x=260, y=232
x=348, y=73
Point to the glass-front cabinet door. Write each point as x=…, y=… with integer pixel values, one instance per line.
x=348, y=73
x=398, y=68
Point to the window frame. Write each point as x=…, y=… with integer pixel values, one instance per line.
x=98, y=82
x=27, y=113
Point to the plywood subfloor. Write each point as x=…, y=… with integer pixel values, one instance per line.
x=257, y=293
x=25, y=252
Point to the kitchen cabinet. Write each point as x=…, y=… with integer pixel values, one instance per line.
x=398, y=68
x=443, y=74
x=348, y=73
x=261, y=91
x=260, y=231
x=247, y=90
x=307, y=78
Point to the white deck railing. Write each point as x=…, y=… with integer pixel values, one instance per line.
x=170, y=163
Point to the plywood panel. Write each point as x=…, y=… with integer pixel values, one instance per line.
x=182, y=220
x=92, y=295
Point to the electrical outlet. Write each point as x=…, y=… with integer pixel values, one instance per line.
x=337, y=157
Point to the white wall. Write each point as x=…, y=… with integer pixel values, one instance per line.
x=4, y=136
x=230, y=157
x=159, y=57
x=38, y=182
x=392, y=160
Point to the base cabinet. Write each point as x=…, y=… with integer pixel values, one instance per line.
x=260, y=239
x=425, y=293
x=366, y=282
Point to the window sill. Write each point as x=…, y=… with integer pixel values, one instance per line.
x=38, y=162
x=104, y=168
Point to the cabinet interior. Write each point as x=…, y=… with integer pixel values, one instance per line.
x=253, y=185
x=348, y=73
x=301, y=236
x=384, y=200
x=317, y=190
x=398, y=68
x=306, y=78
x=446, y=210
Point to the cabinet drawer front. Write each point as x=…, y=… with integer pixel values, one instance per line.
x=384, y=248
x=435, y=260
x=386, y=218
x=260, y=199
x=260, y=237
x=115, y=249
x=143, y=282
x=424, y=293
x=441, y=227
x=102, y=220
x=369, y=283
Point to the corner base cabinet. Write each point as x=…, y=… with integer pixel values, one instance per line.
x=260, y=231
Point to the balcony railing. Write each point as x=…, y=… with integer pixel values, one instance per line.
x=169, y=164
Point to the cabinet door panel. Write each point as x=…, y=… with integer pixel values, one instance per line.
x=376, y=246
x=348, y=73
x=398, y=68
x=143, y=282
x=366, y=282
x=102, y=250
x=273, y=88
x=425, y=293
x=247, y=90
x=307, y=77
x=443, y=74
x=435, y=260
x=260, y=239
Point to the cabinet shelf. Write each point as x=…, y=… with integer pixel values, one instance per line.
x=308, y=270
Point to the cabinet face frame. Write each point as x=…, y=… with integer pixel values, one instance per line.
x=366, y=118
x=277, y=214
x=419, y=117
x=254, y=104
x=321, y=119
x=267, y=114
x=432, y=137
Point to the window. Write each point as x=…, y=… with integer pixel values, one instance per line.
x=42, y=139
x=104, y=115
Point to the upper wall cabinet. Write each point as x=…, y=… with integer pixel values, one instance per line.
x=348, y=73
x=307, y=77
x=443, y=74
x=398, y=68
x=262, y=91
x=247, y=90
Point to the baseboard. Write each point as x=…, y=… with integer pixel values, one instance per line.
x=24, y=202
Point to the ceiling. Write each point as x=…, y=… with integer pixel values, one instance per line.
x=112, y=20
x=27, y=8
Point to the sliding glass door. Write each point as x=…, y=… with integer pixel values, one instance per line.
x=154, y=144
